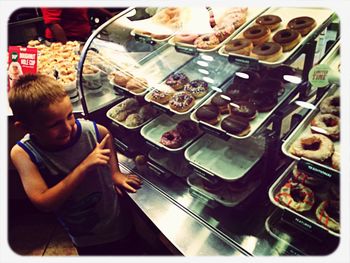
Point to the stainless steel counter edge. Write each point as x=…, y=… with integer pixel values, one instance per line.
x=187, y=234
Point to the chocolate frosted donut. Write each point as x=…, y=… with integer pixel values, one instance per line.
x=221, y=100
x=264, y=99
x=281, y=71
x=303, y=24
x=269, y=51
x=258, y=34
x=240, y=46
x=243, y=109
x=270, y=21
x=236, y=125
x=271, y=86
x=208, y=113
x=288, y=38
x=239, y=94
x=187, y=129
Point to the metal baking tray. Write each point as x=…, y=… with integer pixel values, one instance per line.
x=122, y=123
x=304, y=129
x=321, y=15
x=225, y=196
x=303, y=220
x=255, y=124
x=154, y=130
x=200, y=23
x=228, y=160
x=213, y=69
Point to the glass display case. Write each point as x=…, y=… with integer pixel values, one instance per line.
x=203, y=125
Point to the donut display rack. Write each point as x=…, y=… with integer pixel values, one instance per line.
x=307, y=220
x=286, y=14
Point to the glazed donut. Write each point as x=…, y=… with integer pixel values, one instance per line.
x=185, y=38
x=336, y=161
x=316, y=147
x=327, y=213
x=136, y=85
x=287, y=38
x=171, y=139
x=271, y=21
x=303, y=24
x=181, y=102
x=243, y=109
x=208, y=113
x=257, y=34
x=236, y=125
x=239, y=46
x=221, y=100
x=296, y=196
x=162, y=96
x=269, y=51
x=331, y=105
x=207, y=41
x=198, y=88
x=303, y=178
x=177, y=80
x=187, y=129
x=327, y=124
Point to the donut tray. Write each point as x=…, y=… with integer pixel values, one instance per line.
x=125, y=90
x=255, y=124
x=304, y=129
x=321, y=15
x=228, y=160
x=199, y=23
x=226, y=196
x=305, y=221
x=154, y=130
x=122, y=123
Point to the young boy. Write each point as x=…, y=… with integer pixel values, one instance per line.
x=68, y=166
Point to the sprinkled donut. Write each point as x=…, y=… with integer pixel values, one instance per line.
x=181, y=101
x=207, y=41
x=327, y=213
x=198, y=88
x=296, y=196
x=177, y=80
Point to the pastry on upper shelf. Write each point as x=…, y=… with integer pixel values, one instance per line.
x=269, y=51
x=287, y=38
x=302, y=24
x=271, y=21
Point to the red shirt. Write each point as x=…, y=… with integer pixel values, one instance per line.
x=74, y=21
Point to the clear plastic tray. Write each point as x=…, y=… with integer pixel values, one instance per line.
x=154, y=130
x=286, y=14
x=200, y=23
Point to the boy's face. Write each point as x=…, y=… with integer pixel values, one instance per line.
x=55, y=125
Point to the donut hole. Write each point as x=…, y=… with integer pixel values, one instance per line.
x=285, y=34
x=255, y=31
x=267, y=19
x=330, y=122
x=237, y=44
x=311, y=144
x=170, y=137
x=297, y=195
x=265, y=47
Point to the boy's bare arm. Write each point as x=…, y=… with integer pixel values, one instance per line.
x=128, y=182
x=50, y=199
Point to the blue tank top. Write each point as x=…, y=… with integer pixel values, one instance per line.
x=92, y=214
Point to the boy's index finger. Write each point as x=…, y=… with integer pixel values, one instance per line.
x=103, y=142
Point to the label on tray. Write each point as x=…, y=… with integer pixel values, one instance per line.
x=214, y=132
x=144, y=39
x=244, y=61
x=190, y=50
x=317, y=170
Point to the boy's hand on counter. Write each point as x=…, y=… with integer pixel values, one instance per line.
x=128, y=182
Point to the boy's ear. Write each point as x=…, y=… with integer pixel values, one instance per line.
x=21, y=125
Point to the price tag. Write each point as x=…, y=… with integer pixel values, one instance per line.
x=317, y=170
x=319, y=76
x=244, y=61
x=214, y=132
x=190, y=50
x=144, y=39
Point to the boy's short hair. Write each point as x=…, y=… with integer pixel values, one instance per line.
x=32, y=92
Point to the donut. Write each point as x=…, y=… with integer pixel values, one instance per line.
x=239, y=94
x=264, y=99
x=269, y=51
x=327, y=124
x=185, y=38
x=273, y=86
x=303, y=178
x=133, y=120
x=257, y=34
x=280, y=72
x=207, y=41
x=239, y=46
x=271, y=21
x=287, y=38
x=243, y=109
x=303, y=24
x=296, y=196
x=162, y=96
x=171, y=139
x=221, y=100
x=224, y=32
x=187, y=129
x=177, y=80
x=316, y=147
x=236, y=125
x=181, y=101
x=136, y=85
x=336, y=161
x=327, y=213
x=244, y=78
x=159, y=36
x=198, y=88
x=209, y=114
x=331, y=105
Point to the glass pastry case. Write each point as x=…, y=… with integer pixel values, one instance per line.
x=204, y=125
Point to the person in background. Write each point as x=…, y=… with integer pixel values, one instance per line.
x=68, y=166
x=63, y=24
